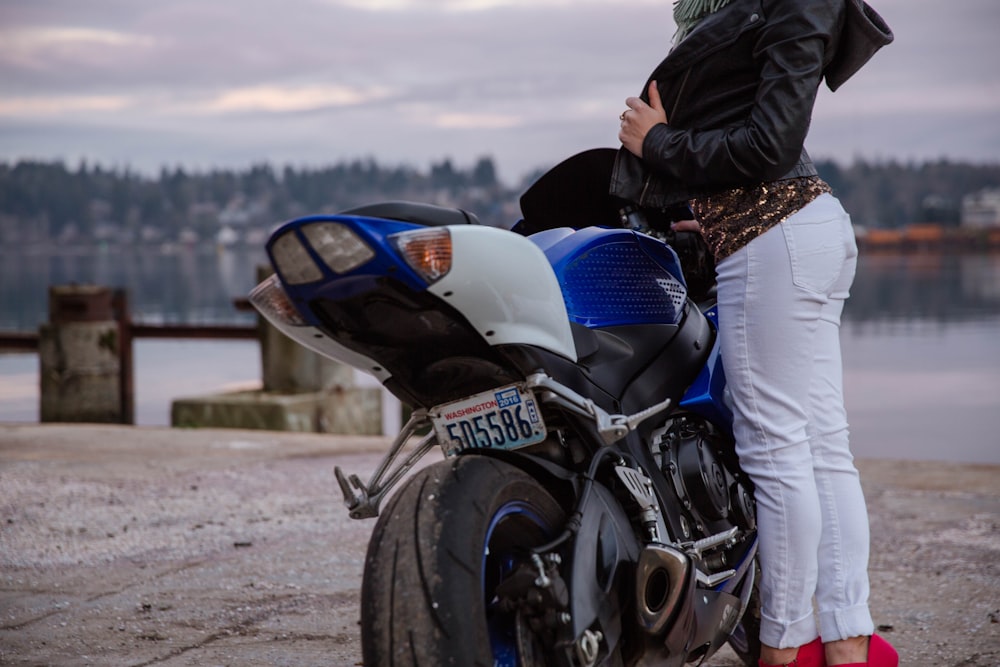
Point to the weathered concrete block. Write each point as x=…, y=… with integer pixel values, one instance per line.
x=247, y=409
x=289, y=367
x=302, y=391
x=350, y=411
x=79, y=372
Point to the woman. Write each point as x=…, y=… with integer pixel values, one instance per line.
x=721, y=126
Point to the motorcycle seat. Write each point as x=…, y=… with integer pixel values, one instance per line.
x=428, y=215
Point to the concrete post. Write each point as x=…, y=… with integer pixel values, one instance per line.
x=302, y=391
x=79, y=353
x=289, y=368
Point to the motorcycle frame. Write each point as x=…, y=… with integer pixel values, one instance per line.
x=629, y=433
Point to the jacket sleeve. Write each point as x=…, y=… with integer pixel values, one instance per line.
x=793, y=47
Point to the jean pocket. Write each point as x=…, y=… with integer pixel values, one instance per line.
x=816, y=245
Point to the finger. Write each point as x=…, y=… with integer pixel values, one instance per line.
x=654, y=96
x=685, y=226
x=635, y=103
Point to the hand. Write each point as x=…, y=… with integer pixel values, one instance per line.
x=685, y=226
x=640, y=118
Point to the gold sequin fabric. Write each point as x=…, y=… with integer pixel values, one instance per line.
x=731, y=219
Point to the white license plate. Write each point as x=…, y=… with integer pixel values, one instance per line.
x=504, y=418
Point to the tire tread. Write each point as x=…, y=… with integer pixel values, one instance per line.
x=425, y=552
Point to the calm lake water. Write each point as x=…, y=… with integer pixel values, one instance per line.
x=921, y=340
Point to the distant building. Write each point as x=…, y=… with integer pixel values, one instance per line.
x=981, y=209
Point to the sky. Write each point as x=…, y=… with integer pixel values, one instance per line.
x=205, y=84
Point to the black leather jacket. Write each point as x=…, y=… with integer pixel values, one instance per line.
x=739, y=93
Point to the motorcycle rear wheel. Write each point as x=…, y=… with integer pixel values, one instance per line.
x=437, y=553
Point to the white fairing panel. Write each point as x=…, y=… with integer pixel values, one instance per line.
x=504, y=285
x=315, y=340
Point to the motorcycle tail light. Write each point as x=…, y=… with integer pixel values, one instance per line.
x=293, y=261
x=337, y=244
x=426, y=251
x=271, y=301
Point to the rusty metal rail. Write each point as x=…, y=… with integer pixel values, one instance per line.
x=25, y=341
x=73, y=305
x=193, y=331
x=18, y=341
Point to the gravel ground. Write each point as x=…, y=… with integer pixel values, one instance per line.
x=154, y=546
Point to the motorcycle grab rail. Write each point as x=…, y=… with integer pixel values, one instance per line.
x=363, y=500
x=611, y=428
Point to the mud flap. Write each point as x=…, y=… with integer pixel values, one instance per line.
x=602, y=567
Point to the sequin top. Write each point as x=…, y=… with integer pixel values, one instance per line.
x=731, y=219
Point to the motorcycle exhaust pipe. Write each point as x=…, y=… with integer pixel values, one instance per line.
x=663, y=579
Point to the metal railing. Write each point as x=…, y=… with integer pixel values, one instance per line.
x=27, y=341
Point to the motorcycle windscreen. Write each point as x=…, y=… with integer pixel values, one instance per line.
x=574, y=193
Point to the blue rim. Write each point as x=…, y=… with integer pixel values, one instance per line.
x=500, y=558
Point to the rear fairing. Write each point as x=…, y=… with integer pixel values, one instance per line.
x=603, y=310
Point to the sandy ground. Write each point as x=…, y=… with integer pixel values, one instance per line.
x=152, y=546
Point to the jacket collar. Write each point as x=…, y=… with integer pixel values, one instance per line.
x=714, y=32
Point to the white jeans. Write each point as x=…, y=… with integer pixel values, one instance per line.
x=780, y=301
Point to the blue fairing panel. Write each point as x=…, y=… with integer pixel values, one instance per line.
x=706, y=395
x=615, y=277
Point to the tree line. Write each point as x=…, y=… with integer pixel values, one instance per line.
x=894, y=194
x=51, y=202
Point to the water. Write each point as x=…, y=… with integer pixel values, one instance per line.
x=921, y=340
x=166, y=284
x=172, y=283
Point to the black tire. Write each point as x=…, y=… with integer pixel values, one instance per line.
x=428, y=579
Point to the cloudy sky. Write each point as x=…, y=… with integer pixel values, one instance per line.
x=212, y=83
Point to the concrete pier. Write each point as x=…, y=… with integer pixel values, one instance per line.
x=127, y=546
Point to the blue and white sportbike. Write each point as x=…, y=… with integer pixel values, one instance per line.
x=589, y=508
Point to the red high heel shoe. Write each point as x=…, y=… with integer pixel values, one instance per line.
x=809, y=655
x=880, y=654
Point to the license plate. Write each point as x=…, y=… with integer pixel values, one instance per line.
x=504, y=418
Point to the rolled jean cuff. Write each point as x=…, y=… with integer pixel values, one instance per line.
x=778, y=634
x=843, y=623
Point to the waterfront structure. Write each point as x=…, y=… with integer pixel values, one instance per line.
x=981, y=209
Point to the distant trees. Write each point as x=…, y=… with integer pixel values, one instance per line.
x=892, y=194
x=48, y=201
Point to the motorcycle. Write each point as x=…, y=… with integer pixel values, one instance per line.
x=589, y=508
